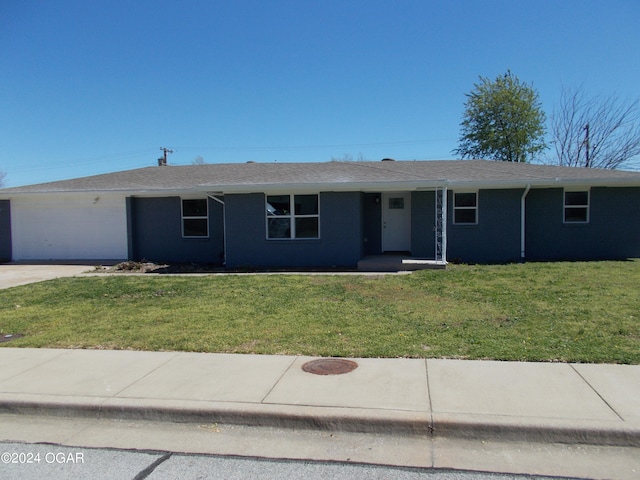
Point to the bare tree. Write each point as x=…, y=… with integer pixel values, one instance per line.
x=199, y=160
x=347, y=157
x=2, y=175
x=598, y=132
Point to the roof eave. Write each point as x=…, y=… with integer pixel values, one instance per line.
x=324, y=187
x=387, y=186
x=123, y=192
x=545, y=183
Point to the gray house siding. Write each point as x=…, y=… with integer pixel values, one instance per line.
x=423, y=218
x=613, y=230
x=339, y=245
x=496, y=236
x=371, y=224
x=156, y=232
x=130, y=245
x=5, y=231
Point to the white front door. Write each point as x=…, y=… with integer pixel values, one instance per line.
x=396, y=222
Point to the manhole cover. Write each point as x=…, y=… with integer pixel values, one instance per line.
x=329, y=366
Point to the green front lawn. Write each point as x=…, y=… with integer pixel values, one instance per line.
x=579, y=312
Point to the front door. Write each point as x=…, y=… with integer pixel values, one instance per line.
x=396, y=222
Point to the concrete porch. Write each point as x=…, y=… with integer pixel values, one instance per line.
x=397, y=263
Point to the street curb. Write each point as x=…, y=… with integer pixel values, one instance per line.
x=391, y=422
x=536, y=430
x=249, y=414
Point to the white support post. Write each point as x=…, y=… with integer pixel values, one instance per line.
x=440, y=227
x=444, y=224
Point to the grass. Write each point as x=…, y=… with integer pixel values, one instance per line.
x=578, y=312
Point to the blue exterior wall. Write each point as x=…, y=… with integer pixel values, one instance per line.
x=156, y=232
x=5, y=231
x=422, y=224
x=423, y=220
x=495, y=238
x=613, y=231
x=372, y=224
x=339, y=245
x=350, y=228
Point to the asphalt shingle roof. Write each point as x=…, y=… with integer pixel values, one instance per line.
x=222, y=177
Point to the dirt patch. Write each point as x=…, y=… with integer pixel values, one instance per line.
x=151, y=267
x=10, y=336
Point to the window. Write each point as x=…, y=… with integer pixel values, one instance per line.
x=195, y=218
x=576, y=206
x=396, y=203
x=292, y=216
x=465, y=208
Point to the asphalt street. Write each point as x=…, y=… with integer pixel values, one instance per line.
x=54, y=462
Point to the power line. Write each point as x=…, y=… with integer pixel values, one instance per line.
x=163, y=161
x=255, y=148
x=105, y=159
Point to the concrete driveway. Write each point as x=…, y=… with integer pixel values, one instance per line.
x=12, y=275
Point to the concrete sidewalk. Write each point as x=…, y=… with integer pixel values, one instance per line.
x=14, y=274
x=540, y=402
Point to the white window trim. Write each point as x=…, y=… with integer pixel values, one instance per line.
x=291, y=216
x=565, y=206
x=199, y=217
x=476, y=208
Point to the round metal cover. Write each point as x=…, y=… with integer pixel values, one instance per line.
x=329, y=366
x=10, y=336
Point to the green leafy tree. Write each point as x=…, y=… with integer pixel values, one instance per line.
x=503, y=120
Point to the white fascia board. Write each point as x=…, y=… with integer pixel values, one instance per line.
x=156, y=192
x=546, y=183
x=344, y=187
x=599, y=182
x=323, y=187
x=414, y=185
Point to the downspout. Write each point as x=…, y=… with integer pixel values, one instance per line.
x=224, y=227
x=523, y=223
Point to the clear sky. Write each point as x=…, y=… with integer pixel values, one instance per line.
x=90, y=86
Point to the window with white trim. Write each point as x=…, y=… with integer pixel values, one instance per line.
x=465, y=208
x=292, y=216
x=195, y=218
x=576, y=206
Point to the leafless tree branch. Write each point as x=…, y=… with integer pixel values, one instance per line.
x=599, y=132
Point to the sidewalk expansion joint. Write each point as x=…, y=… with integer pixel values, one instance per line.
x=596, y=392
x=176, y=354
x=275, y=384
x=431, y=428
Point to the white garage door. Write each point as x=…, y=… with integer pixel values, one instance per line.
x=69, y=227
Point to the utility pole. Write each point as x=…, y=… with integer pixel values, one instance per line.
x=586, y=141
x=163, y=161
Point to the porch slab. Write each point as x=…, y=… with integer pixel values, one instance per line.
x=398, y=263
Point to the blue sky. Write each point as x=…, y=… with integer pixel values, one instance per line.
x=89, y=86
